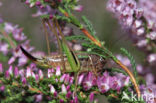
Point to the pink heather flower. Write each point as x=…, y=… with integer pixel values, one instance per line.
x=69, y=94
x=89, y=81
x=75, y=100
x=16, y=72
x=115, y=83
x=78, y=8
x=22, y=61
x=40, y=74
x=52, y=89
x=8, y=27
x=152, y=35
x=33, y=74
x=91, y=97
x=137, y=23
x=66, y=79
x=10, y=70
x=50, y=73
x=62, y=77
x=2, y=88
x=139, y=69
x=19, y=35
x=149, y=79
x=124, y=60
x=64, y=90
x=103, y=83
x=142, y=43
x=1, y=68
x=7, y=74
x=61, y=101
x=38, y=3
x=37, y=77
x=58, y=71
x=22, y=72
x=4, y=48
x=80, y=79
x=151, y=58
x=24, y=81
x=68, y=87
x=140, y=31
x=28, y=72
x=38, y=98
x=11, y=60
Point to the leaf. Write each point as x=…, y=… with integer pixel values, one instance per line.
x=132, y=60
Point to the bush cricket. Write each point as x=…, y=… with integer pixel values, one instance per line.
x=69, y=61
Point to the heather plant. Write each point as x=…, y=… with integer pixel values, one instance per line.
x=26, y=75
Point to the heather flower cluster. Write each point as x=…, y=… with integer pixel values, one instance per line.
x=23, y=81
x=11, y=36
x=139, y=18
x=136, y=17
x=55, y=86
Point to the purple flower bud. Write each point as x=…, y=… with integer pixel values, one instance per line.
x=68, y=87
x=37, y=77
x=137, y=23
x=139, y=12
x=91, y=97
x=152, y=35
x=151, y=58
x=75, y=100
x=50, y=73
x=22, y=72
x=140, y=31
x=38, y=3
x=24, y=81
x=64, y=90
x=51, y=16
x=33, y=75
x=41, y=7
x=62, y=77
x=10, y=70
x=38, y=98
x=28, y=72
x=61, y=101
x=7, y=74
x=52, y=89
x=16, y=72
x=11, y=60
x=2, y=88
x=80, y=79
x=58, y=71
x=1, y=68
x=66, y=79
x=142, y=43
x=103, y=83
x=40, y=74
x=68, y=95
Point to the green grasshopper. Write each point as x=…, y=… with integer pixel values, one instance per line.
x=69, y=61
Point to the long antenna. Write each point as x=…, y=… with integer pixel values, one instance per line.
x=46, y=35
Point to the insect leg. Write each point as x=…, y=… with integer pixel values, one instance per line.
x=46, y=35
x=93, y=67
x=53, y=29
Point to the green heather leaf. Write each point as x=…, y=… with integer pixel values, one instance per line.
x=132, y=60
x=89, y=26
